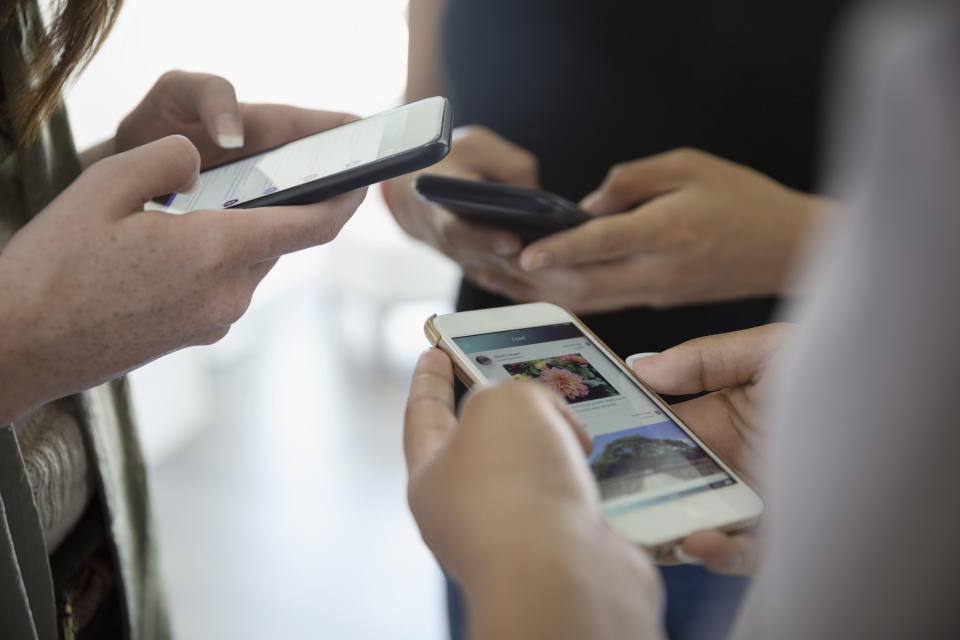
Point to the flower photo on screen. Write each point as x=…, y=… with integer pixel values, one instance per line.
x=570, y=375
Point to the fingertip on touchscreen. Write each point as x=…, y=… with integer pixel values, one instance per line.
x=639, y=356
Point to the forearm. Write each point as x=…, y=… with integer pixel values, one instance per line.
x=592, y=585
x=424, y=78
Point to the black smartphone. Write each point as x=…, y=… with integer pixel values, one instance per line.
x=530, y=213
x=326, y=164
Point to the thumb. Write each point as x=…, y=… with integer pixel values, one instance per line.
x=723, y=553
x=429, y=418
x=629, y=184
x=125, y=181
x=710, y=363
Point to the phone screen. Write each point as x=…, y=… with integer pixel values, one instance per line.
x=311, y=158
x=640, y=456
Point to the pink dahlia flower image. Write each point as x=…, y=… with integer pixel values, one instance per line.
x=575, y=358
x=566, y=382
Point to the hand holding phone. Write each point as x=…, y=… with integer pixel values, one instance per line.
x=658, y=480
x=476, y=153
x=134, y=285
x=504, y=501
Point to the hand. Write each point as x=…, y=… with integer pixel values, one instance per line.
x=94, y=286
x=734, y=369
x=477, y=154
x=204, y=109
x=690, y=228
x=506, y=502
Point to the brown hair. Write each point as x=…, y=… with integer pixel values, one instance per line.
x=76, y=30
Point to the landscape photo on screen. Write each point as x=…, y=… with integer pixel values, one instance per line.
x=570, y=375
x=648, y=458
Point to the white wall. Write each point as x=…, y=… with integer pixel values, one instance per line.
x=251, y=533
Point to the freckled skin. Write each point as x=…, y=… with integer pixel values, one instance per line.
x=124, y=286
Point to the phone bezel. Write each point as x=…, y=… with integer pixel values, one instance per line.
x=657, y=527
x=406, y=161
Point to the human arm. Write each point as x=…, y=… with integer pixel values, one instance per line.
x=689, y=228
x=477, y=154
x=94, y=286
x=733, y=372
x=505, y=501
x=424, y=75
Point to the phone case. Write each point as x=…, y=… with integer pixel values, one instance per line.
x=531, y=213
x=362, y=176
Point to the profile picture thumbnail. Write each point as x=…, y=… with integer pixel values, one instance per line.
x=483, y=360
x=570, y=375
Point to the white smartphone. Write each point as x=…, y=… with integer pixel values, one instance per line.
x=325, y=164
x=659, y=482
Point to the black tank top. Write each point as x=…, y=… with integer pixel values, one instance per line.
x=587, y=84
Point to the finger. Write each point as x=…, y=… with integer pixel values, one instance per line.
x=573, y=422
x=502, y=405
x=125, y=181
x=503, y=284
x=627, y=185
x=719, y=419
x=256, y=235
x=269, y=125
x=711, y=362
x=584, y=438
x=495, y=158
x=457, y=236
x=211, y=100
x=602, y=240
x=728, y=554
x=429, y=417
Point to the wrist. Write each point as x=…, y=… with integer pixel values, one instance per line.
x=25, y=379
x=810, y=211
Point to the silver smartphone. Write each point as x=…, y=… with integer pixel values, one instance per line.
x=659, y=482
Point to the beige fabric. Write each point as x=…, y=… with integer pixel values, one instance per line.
x=56, y=462
x=53, y=460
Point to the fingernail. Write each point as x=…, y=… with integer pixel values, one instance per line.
x=540, y=260
x=505, y=246
x=637, y=356
x=229, y=131
x=685, y=558
x=590, y=202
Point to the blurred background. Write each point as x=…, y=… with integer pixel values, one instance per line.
x=276, y=459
